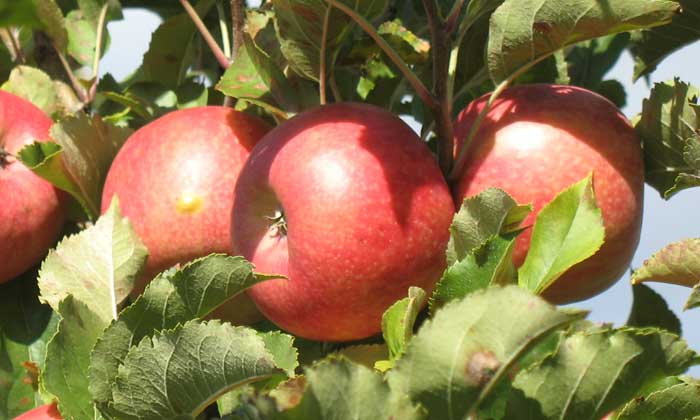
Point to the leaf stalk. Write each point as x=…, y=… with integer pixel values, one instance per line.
x=208, y=38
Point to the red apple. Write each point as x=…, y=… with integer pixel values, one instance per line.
x=175, y=179
x=538, y=140
x=32, y=212
x=45, y=412
x=349, y=204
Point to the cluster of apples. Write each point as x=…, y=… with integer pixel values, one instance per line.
x=344, y=200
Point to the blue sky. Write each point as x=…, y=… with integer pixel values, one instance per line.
x=664, y=221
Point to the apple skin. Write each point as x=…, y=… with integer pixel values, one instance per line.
x=175, y=179
x=45, y=412
x=32, y=211
x=540, y=139
x=367, y=214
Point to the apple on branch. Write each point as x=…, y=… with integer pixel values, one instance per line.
x=175, y=179
x=537, y=140
x=32, y=211
x=349, y=204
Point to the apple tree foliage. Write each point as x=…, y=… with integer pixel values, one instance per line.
x=485, y=346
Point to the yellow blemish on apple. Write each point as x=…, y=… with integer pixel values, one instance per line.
x=189, y=202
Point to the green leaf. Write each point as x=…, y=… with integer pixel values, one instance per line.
x=281, y=346
x=676, y=402
x=173, y=297
x=45, y=160
x=457, y=358
x=398, y=321
x=191, y=94
x=649, y=309
x=272, y=77
x=481, y=217
x=26, y=326
x=68, y=358
x=489, y=264
x=52, y=22
x=694, y=299
x=651, y=47
x=668, y=129
x=166, y=60
x=299, y=27
x=337, y=388
x=37, y=87
x=591, y=60
x=595, y=372
x=178, y=373
x=96, y=266
x=79, y=161
x=410, y=47
x=89, y=146
x=371, y=355
x=567, y=231
x=677, y=263
x=525, y=31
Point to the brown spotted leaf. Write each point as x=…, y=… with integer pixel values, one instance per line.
x=677, y=263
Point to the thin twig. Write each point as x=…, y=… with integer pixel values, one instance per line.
x=442, y=110
x=337, y=96
x=422, y=92
x=323, y=57
x=223, y=27
x=208, y=38
x=453, y=16
x=238, y=22
x=16, y=47
x=98, y=52
x=79, y=89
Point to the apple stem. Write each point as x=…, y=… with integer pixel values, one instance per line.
x=322, y=81
x=442, y=108
x=422, y=92
x=208, y=38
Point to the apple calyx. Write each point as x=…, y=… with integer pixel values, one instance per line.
x=278, y=224
x=6, y=158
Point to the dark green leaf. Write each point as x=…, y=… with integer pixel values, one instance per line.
x=486, y=265
x=337, y=389
x=668, y=128
x=68, y=358
x=595, y=372
x=26, y=326
x=177, y=373
x=299, y=25
x=651, y=47
x=649, y=309
x=681, y=401
x=526, y=31
x=166, y=60
x=481, y=217
x=457, y=358
x=172, y=298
